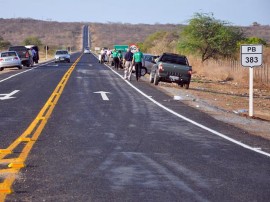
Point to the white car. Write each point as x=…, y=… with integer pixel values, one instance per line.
x=62, y=56
x=9, y=59
x=87, y=50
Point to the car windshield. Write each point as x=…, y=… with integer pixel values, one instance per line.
x=61, y=52
x=8, y=54
x=174, y=59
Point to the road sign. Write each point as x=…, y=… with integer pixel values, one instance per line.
x=133, y=48
x=251, y=55
x=121, y=47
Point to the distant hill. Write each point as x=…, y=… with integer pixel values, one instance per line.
x=54, y=34
x=62, y=34
x=116, y=33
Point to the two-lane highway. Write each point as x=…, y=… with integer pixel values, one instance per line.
x=128, y=144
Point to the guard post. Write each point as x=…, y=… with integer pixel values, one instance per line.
x=251, y=56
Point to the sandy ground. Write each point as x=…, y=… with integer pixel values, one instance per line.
x=226, y=101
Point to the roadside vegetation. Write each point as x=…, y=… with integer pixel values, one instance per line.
x=213, y=53
x=4, y=44
x=212, y=46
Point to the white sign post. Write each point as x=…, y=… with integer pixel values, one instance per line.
x=251, y=56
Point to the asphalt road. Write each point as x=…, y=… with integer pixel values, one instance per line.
x=120, y=145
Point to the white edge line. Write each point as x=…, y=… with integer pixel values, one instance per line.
x=23, y=72
x=191, y=121
x=40, y=65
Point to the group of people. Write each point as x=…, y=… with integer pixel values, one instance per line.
x=130, y=59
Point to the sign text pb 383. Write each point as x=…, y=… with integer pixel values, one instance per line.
x=251, y=55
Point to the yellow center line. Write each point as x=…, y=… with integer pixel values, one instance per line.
x=29, y=137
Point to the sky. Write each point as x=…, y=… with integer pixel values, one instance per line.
x=236, y=12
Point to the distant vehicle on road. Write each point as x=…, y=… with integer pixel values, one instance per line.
x=36, y=57
x=25, y=55
x=86, y=50
x=9, y=59
x=62, y=56
x=172, y=68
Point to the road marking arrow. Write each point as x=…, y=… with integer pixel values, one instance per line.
x=8, y=96
x=103, y=94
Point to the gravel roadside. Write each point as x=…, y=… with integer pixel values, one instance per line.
x=227, y=102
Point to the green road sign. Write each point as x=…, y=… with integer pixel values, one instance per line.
x=121, y=47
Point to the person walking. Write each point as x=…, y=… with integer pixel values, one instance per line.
x=108, y=54
x=128, y=64
x=137, y=60
x=120, y=57
x=115, y=59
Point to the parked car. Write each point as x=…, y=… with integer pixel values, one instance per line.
x=172, y=68
x=25, y=55
x=62, y=56
x=36, y=56
x=9, y=59
x=86, y=50
x=149, y=61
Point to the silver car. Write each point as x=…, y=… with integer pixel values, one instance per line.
x=149, y=61
x=87, y=50
x=62, y=56
x=9, y=59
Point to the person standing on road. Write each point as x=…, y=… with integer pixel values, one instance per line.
x=128, y=64
x=33, y=51
x=115, y=59
x=108, y=56
x=137, y=60
x=120, y=57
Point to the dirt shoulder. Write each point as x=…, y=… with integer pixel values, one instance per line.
x=227, y=101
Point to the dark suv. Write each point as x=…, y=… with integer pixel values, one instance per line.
x=24, y=53
x=172, y=68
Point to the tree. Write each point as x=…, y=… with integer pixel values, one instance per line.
x=162, y=41
x=150, y=41
x=253, y=40
x=209, y=38
x=32, y=41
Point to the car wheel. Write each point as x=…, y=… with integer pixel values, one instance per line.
x=186, y=85
x=180, y=84
x=156, y=79
x=20, y=67
x=151, y=79
x=143, y=71
x=2, y=68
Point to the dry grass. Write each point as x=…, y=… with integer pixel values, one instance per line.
x=231, y=70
